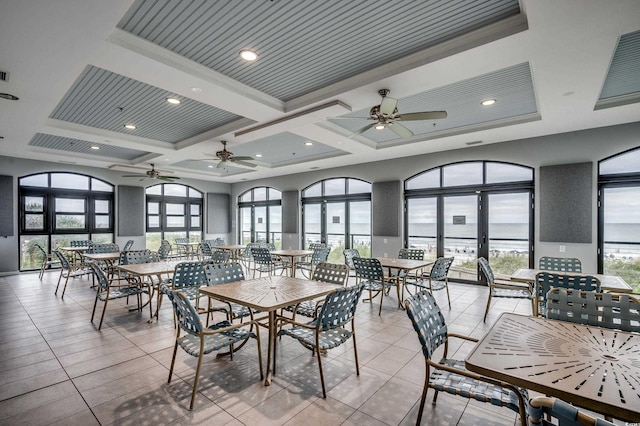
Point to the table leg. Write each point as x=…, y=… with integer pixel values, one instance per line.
x=271, y=346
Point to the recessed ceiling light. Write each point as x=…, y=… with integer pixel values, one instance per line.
x=95, y=147
x=173, y=101
x=196, y=89
x=211, y=167
x=248, y=55
x=488, y=102
x=259, y=155
x=379, y=126
x=308, y=143
x=129, y=126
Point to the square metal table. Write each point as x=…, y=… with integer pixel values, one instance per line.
x=403, y=265
x=591, y=367
x=268, y=294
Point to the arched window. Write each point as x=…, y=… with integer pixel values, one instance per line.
x=469, y=210
x=173, y=211
x=58, y=207
x=619, y=216
x=338, y=212
x=260, y=216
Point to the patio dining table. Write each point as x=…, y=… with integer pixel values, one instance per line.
x=588, y=366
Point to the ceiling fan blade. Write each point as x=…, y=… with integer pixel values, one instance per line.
x=400, y=130
x=388, y=105
x=221, y=165
x=139, y=175
x=350, y=118
x=241, y=158
x=242, y=163
x=364, y=129
x=168, y=177
x=426, y=115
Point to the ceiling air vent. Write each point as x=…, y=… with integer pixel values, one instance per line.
x=4, y=76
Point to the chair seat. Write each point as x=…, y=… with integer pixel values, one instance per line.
x=306, y=308
x=511, y=293
x=457, y=384
x=328, y=339
x=373, y=285
x=433, y=285
x=214, y=342
x=120, y=292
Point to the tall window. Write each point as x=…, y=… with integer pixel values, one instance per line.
x=260, y=211
x=56, y=208
x=338, y=212
x=469, y=210
x=173, y=211
x=619, y=216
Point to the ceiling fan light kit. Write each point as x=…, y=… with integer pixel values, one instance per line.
x=223, y=157
x=153, y=174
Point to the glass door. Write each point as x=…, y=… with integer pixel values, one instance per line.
x=260, y=223
x=312, y=224
x=422, y=226
x=359, y=228
x=335, y=226
x=460, y=235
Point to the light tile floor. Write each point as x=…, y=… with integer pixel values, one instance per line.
x=57, y=368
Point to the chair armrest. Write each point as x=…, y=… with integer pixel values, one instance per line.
x=461, y=336
x=230, y=327
x=296, y=323
x=513, y=285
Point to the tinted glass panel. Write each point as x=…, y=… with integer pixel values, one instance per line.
x=195, y=222
x=30, y=256
x=175, y=190
x=195, y=209
x=153, y=208
x=245, y=197
x=274, y=194
x=334, y=187
x=174, y=208
x=34, y=204
x=463, y=174
x=102, y=238
x=624, y=163
x=98, y=185
x=102, y=206
x=35, y=180
x=154, y=221
x=69, y=181
x=34, y=221
x=175, y=221
x=154, y=190
x=500, y=172
x=194, y=194
x=68, y=221
x=102, y=222
x=259, y=194
x=313, y=191
x=358, y=186
x=71, y=205
x=429, y=179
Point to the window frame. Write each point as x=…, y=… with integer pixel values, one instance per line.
x=164, y=200
x=251, y=204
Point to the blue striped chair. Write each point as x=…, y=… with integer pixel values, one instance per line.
x=542, y=410
x=450, y=375
x=198, y=340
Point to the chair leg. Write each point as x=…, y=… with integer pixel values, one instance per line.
x=424, y=394
x=94, y=305
x=486, y=311
x=66, y=281
x=173, y=360
x=59, y=279
x=381, y=299
x=355, y=348
x=446, y=286
x=195, y=380
x=104, y=309
x=324, y=392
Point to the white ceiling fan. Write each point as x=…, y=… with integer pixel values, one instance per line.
x=154, y=174
x=223, y=157
x=386, y=116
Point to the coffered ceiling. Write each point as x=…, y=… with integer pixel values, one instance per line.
x=85, y=69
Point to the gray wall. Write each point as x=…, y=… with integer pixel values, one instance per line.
x=17, y=167
x=575, y=147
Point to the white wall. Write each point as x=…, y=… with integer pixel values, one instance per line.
x=575, y=147
x=17, y=167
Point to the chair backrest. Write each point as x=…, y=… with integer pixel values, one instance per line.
x=64, y=261
x=427, y=320
x=339, y=307
x=205, y=248
x=561, y=264
x=368, y=268
x=440, y=269
x=186, y=315
x=104, y=248
x=621, y=312
x=486, y=270
x=313, y=246
x=189, y=274
x=223, y=273
x=248, y=251
x=101, y=279
x=128, y=245
x=219, y=242
x=412, y=254
x=220, y=256
x=545, y=281
x=40, y=250
x=80, y=243
x=546, y=411
x=261, y=255
x=182, y=240
x=140, y=256
x=320, y=254
x=165, y=249
x=268, y=246
x=349, y=254
x=334, y=273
